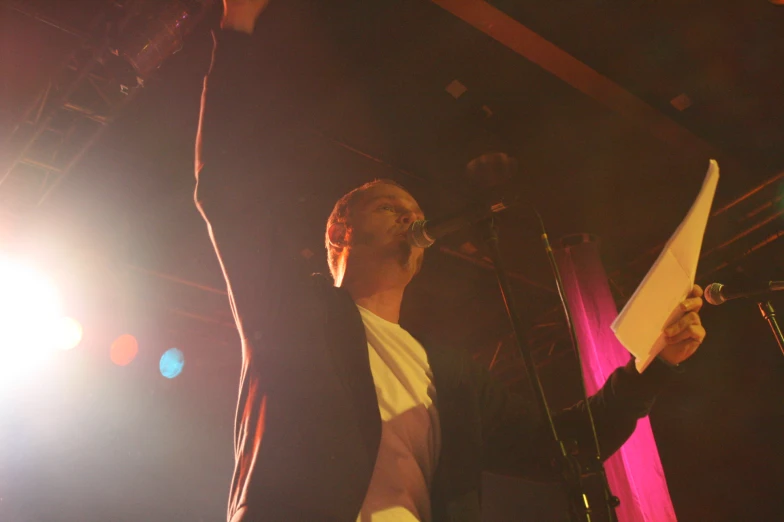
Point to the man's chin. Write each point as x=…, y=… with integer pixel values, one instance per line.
x=411, y=261
x=418, y=264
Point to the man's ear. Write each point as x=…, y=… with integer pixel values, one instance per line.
x=337, y=234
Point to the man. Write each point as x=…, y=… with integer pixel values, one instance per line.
x=342, y=414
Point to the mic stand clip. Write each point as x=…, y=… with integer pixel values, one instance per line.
x=769, y=314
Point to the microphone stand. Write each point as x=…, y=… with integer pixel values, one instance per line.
x=769, y=314
x=610, y=500
x=569, y=466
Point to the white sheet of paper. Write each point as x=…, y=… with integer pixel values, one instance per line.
x=655, y=303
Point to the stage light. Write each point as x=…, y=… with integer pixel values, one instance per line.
x=67, y=333
x=124, y=350
x=172, y=362
x=30, y=309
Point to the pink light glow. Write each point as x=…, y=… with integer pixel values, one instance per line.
x=635, y=472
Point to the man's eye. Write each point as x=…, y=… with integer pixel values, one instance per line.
x=386, y=207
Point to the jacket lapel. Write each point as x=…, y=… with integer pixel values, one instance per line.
x=348, y=345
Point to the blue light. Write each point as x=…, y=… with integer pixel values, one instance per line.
x=172, y=362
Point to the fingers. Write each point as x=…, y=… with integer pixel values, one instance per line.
x=695, y=332
x=686, y=334
x=677, y=353
x=691, y=304
x=694, y=301
x=687, y=319
x=688, y=327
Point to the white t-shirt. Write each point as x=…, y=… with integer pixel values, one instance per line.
x=399, y=489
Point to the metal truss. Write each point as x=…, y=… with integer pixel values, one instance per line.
x=736, y=230
x=71, y=111
x=93, y=84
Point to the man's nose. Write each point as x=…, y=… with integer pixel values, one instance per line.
x=407, y=217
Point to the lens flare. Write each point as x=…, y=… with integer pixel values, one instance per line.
x=124, y=349
x=30, y=312
x=67, y=333
x=172, y=362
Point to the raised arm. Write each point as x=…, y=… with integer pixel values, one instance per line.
x=241, y=15
x=239, y=177
x=225, y=142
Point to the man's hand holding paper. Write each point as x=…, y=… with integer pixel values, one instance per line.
x=661, y=318
x=685, y=335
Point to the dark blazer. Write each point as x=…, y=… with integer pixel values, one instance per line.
x=307, y=424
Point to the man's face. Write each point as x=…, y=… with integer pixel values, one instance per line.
x=378, y=222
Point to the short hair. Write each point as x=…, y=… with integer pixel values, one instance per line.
x=340, y=214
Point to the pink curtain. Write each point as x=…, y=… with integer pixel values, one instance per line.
x=635, y=471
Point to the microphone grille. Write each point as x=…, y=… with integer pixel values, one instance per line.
x=417, y=235
x=713, y=294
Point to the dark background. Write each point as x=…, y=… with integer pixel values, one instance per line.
x=85, y=440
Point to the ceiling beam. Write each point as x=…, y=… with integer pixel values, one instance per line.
x=528, y=44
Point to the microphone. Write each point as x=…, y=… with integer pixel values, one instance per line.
x=717, y=293
x=423, y=233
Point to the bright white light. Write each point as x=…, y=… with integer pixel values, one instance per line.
x=67, y=333
x=32, y=326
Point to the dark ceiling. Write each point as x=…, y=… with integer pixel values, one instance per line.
x=601, y=149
